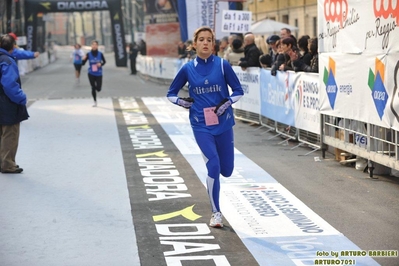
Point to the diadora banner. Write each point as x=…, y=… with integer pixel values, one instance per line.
x=359, y=60
x=32, y=8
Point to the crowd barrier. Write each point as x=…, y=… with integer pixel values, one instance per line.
x=27, y=66
x=288, y=105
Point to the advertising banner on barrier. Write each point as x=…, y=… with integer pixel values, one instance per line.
x=356, y=92
x=277, y=96
x=250, y=81
x=392, y=83
x=307, y=114
x=349, y=26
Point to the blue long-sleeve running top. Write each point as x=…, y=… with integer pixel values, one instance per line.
x=208, y=81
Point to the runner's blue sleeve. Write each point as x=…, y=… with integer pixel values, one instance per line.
x=22, y=54
x=178, y=82
x=233, y=81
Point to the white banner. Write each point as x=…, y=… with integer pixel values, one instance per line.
x=236, y=21
x=307, y=114
x=249, y=80
x=353, y=26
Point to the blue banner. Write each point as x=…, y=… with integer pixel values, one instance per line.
x=277, y=96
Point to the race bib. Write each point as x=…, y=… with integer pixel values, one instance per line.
x=94, y=68
x=211, y=118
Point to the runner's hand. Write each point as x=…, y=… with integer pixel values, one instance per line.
x=222, y=107
x=185, y=102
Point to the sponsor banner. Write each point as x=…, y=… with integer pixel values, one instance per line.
x=360, y=94
x=236, y=21
x=254, y=209
x=202, y=13
x=118, y=35
x=250, y=82
x=351, y=26
x=307, y=114
x=277, y=96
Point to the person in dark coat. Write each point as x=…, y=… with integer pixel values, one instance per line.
x=251, y=52
x=12, y=106
x=133, y=52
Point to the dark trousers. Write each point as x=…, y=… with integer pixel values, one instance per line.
x=9, y=138
x=95, y=83
x=133, y=66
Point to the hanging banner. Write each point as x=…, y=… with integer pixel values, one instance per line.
x=162, y=27
x=355, y=90
x=236, y=21
x=33, y=7
x=350, y=26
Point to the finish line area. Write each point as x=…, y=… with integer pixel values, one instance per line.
x=124, y=184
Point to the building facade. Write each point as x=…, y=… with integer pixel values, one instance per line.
x=299, y=13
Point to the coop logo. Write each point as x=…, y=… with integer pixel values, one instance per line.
x=82, y=5
x=336, y=11
x=376, y=85
x=386, y=20
x=329, y=81
x=389, y=11
x=338, y=16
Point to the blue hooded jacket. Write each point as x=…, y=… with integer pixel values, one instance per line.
x=12, y=98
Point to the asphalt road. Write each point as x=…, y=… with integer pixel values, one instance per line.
x=364, y=210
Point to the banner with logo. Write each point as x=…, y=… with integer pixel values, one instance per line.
x=307, y=114
x=392, y=83
x=352, y=26
x=354, y=87
x=33, y=7
x=277, y=96
x=195, y=14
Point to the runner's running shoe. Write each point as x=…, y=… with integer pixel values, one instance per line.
x=216, y=220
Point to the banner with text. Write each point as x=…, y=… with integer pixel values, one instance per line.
x=250, y=82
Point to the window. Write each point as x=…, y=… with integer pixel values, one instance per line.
x=315, y=26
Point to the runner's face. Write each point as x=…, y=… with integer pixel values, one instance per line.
x=204, y=44
x=94, y=46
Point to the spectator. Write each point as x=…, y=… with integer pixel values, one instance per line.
x=12, y=108
x=223, y=45
x=251, y=53
x=229, y=48
x=280, y=58
x=21, y=54
x=267, y=60
x=314, y=62
x=181, y=50
x=285, y=32
x=236, y=53
x=303, y=48
x=143, y=47
x=289, y=48
x=133, y=52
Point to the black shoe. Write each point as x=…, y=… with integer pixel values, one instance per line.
x=15, y=171
x=17, y=166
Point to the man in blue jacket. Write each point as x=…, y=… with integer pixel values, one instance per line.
x=12, y=106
